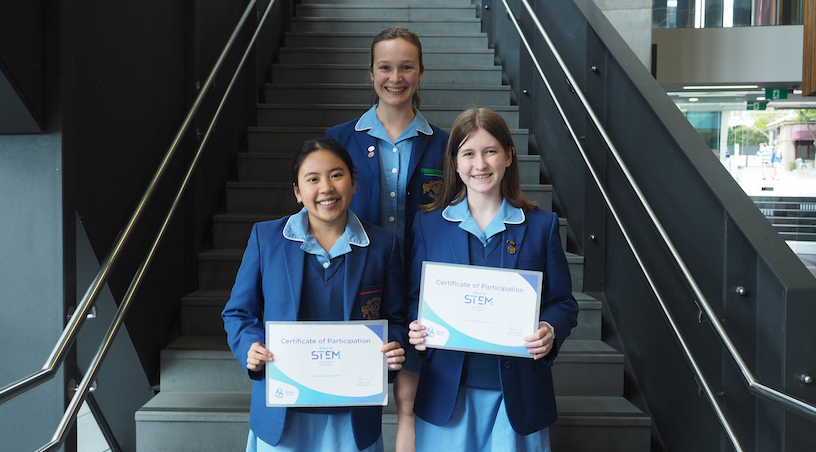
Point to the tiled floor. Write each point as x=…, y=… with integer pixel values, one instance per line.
x=89, y=437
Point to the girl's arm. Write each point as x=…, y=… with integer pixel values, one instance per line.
x=243, y=313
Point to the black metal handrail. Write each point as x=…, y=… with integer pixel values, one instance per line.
x=88, y=301
x=755, y=387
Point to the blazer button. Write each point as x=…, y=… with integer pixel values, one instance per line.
x=507, y=364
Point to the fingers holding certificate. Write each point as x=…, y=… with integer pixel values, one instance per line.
x=480, y=309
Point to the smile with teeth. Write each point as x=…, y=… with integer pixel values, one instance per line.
x=328, y=202
x=481, y=176
x=394, y=90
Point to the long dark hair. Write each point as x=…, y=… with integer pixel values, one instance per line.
x=453, y=189
x=390, y=34
x=318, y=144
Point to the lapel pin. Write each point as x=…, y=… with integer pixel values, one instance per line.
x=512, y=248
x=370, y=151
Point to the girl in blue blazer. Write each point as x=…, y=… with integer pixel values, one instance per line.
x=322, y=263
x=400, y=160
x=471, y=401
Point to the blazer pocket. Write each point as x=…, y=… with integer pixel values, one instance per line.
x=369, y=301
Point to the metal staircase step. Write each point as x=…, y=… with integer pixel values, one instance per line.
x=287, y=139
x=588, y=368
x=355, y=73
x=393, y=12
x=377, y=3
x=589, y=317
x=217, y=268
x=354, y=93
x=261, y=197
x=201, y=313
x=193, y=422
x=202, y=364
x=448, y=42
x=576, y=266
x=374, y=25
x=599, y=424
x=362, y=56
x=281, y=115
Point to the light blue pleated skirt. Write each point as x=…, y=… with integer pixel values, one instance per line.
x=314, y=432
x=479, y=423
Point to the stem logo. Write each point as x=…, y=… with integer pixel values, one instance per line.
x=478, y=300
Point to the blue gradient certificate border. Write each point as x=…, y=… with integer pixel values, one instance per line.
x=325, y=364
x=479, y=309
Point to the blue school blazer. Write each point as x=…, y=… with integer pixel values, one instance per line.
x=268, y=287
x=424, y=172
x=526, y=384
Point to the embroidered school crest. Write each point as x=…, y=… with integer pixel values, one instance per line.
x=371, y=310
x=432, y=188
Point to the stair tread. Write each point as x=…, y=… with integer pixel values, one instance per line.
x=425, y=88
x=606, y=406
x=208, y=294
x=199, y=401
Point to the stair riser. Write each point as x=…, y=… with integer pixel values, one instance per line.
x=392, y=13
x=588, y=378
x=217, y=274
x=261, y=200
x=375, y=26
x=490, y=75
x=596, y=436
x=264, y=168
x=270, y=115
x=261, y=141
x=199, y=371
x=276, y=168
x=362, y=57
x=377, y=3
x=180, y=432
x=589, y=324
x=364, y=94
x=202, y=320
x=363, y=41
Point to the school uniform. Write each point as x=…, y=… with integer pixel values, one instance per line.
x=286, y=275
x=418, y=177
x=457, y=387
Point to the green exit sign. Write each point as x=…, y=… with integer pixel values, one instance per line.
x=776, y=94
x=757, y=105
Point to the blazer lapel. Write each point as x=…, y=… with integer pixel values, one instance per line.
x=369, y=146
x=513, y=241
x=355, y=265
x=295, y=259
x=458, y=240
x=420, y=144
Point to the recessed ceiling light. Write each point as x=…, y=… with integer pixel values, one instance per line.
x=761, y=98
x=712, y=87
x=693, y=99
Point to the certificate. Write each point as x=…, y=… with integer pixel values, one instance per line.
x=479, y=309
x=327, y=363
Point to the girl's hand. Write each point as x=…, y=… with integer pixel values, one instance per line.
x=542, y=341
x=395, y=353
x=257, y=356
x=416, y=336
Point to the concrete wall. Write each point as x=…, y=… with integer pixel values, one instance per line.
x=32, y=283
x=690, y=56
x=633, y=21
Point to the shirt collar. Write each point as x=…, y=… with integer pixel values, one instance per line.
x=369, y=120
x=507, y=213
x=297, y=229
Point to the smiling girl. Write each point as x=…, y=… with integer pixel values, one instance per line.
x=322, y=263
x=472, y=401
x=400, y=160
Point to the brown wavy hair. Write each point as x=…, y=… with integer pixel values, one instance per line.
x=390, y=34
x=453, y=189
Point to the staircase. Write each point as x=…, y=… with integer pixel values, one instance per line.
x=321, y=80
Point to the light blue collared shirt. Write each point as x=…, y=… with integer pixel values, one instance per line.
x=297, y=229
x=395, y=157
x=507, y=214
